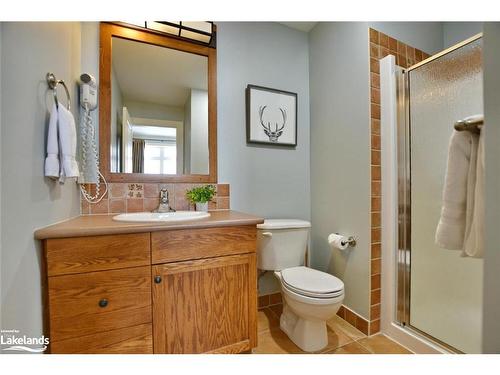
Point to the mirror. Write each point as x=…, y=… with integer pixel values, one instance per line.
x=159, y=109
x=160, y=123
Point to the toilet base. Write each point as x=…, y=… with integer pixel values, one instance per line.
x=308, y=335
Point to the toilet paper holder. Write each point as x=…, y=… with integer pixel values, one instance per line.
x=351, y=241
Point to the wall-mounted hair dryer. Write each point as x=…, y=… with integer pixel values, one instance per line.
x=88, y=91
x=89, y=157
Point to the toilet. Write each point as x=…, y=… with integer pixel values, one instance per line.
x=310, y=297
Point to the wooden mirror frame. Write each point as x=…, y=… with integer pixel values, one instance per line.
x=109, y=30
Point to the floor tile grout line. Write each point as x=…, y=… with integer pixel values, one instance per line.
x=397, y=343
x=369, y=350
x=326, y=351
x=332, y=351
x=388, y=338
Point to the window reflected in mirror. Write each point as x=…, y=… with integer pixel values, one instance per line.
x=159, y=110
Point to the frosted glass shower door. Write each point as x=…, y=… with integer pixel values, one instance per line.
x=445, y=289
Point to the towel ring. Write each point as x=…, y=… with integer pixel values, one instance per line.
x=53, y=82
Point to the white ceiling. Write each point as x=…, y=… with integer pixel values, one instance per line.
x=302, y=26
x=141, y=131
x=158, y=75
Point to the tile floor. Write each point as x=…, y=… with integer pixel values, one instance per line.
x=342, y=338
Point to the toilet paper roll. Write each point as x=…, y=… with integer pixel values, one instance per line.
x=337, y=241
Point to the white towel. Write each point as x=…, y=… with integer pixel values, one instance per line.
x=61, y=145
x=474, y=239
x=67, y=140
x=457, y=209
x=52, y=159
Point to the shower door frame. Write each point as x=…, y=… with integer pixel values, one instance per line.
x=403, y=251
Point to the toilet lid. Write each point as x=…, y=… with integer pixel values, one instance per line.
x=311, y=282
x=269, y=224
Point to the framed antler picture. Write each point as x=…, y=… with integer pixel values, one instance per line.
x=271, y=116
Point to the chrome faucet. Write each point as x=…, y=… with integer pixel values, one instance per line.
x=164, y=205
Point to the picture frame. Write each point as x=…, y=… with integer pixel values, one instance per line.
x=271, y=116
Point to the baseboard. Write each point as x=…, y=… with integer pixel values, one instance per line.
x=357, y=321
x=269, y=300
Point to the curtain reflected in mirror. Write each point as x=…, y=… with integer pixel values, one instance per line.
x=159, y=110
x=138, y=155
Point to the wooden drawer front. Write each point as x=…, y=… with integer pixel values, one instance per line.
x=130, y=340
x=205, y=305
x=88, y=254
x=177, y=245
x=74, y=302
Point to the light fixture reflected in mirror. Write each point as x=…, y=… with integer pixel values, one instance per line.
x=201, y=31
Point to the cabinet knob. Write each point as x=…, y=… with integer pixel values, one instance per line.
x=157, y=279
x=103, y=302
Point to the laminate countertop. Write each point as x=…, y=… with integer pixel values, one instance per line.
x=97, y=225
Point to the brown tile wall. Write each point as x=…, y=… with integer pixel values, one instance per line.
x=137, y=197
x=381, y=45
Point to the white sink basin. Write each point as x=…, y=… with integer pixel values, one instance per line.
x=162, y=217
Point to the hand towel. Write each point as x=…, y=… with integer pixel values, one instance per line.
x=471, y=188
x=67, y=141
x=474, y=239
x=456, y=211
x=52, y=159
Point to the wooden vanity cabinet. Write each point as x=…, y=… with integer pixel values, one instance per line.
x=205, y=290
x=205, y=305
x=176, y=291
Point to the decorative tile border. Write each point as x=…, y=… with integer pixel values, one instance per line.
x=381, y=45
x=138, y=197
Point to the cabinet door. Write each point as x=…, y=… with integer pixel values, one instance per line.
x=101, y=312
x=205, y=305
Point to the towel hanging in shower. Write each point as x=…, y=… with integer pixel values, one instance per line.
x=458, y=227
x=474, y=239
x=456, y=205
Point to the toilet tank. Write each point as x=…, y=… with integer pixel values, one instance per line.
x=282, y=243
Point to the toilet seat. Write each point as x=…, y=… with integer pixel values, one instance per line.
x=311, y=283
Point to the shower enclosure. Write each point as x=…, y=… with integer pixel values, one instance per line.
x=439, y=293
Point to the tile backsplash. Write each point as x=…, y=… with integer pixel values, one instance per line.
x=138, y=197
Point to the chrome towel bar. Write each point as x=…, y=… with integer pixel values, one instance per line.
x=472, y=124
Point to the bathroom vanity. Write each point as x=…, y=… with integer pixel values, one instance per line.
x=121, y=287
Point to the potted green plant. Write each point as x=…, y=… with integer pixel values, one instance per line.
x=200, y=196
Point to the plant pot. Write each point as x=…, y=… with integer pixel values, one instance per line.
x=201, y=206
